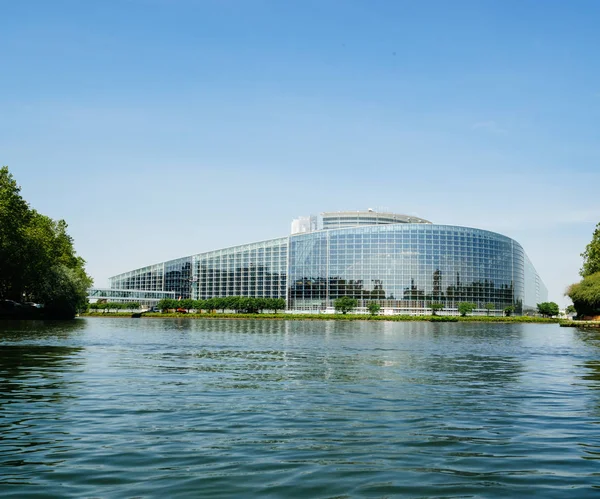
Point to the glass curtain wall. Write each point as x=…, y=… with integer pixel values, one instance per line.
x=178, y=277
x=257, y=270
x=149, y=278
x=405, y=266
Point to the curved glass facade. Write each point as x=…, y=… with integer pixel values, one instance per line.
x=404, y=266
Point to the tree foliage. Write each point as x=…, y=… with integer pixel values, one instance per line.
x=489, y=307
x=242, y=304
x=465, y=307
x=591, y=255
x=345, y=304
x=586, y=295
x=508, y=311
x=37, y=260
x=548, y=308
x=435, y=307
x=373, y=307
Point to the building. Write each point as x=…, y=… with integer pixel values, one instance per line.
x=143, y=297
x=405, y=263
x=302, y=225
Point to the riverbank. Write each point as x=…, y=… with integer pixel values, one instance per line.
x=589, y=324
x=330, y=317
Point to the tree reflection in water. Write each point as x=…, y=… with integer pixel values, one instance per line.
x=36, y=379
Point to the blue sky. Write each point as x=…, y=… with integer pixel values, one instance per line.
x=162, y=128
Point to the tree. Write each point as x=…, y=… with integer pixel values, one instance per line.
x=186, y=304
x=261, y=304
x=548, y=308
x=166, y=304
x=277, y=304
x=586, y=295
x=209, y=305
x=465, y=307
x=345, y=304
x=233, y=302
x=15, y=217
x=489, y=307
x=508, y=311
x=37, y=259
x=570, y=309
x=373, y=307
x=218, y=302
x=591, y=255
x=435, y=307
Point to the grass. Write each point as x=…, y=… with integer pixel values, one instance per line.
x=334, y=317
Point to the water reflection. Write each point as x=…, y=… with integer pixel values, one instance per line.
x=114, y=408
x=40, y=330
x=254, y=352
x=36, y=382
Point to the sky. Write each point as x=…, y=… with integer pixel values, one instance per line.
x=163, y=128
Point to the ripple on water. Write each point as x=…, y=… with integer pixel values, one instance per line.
x=107, y=408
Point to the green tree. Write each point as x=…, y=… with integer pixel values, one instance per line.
x=233, y=302
x=345, y=304
x=548, y=308
x=219, y=303
x=261, y=304
x=435, y=307
x=373, y=307
x=166, y=304
x=508, y=311
x=489, y=307
x=570, y=309
x=586, y=295
x=15, y=217
x=465, y=307
x=277, y=304
x=186, y=304
x=209, y=305
x=37, y=259
x=591, y=255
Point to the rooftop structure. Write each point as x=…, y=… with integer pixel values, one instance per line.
x=340, y=219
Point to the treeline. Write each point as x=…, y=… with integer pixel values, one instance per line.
x=586, y=293
x=241, y=304
x=114, y=306
x=38, y=263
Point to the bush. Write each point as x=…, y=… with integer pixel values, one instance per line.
x=437, y=318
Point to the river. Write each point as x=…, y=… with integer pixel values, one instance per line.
x=178, y=408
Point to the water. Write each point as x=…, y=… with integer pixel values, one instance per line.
x=184, y=408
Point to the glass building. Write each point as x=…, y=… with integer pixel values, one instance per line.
x=404, y=263
x=144, y=298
